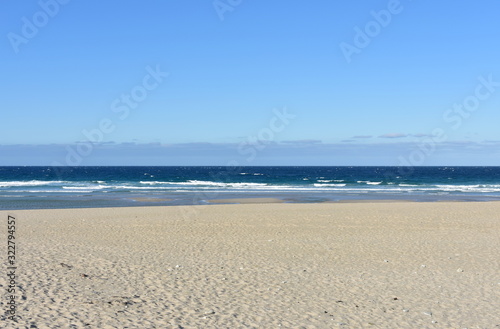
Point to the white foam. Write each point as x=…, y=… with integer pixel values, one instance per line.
x=29, y=183
x=88, y=187
x=329, y=185
x=368, y=182
x=153, y=182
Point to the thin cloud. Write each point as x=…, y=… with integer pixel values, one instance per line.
x=346, y=152
x=303, y=141
x=393, y=135
x=362, y=136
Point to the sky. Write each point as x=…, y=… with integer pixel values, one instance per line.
x=239, y=82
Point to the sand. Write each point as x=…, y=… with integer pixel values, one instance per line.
x=247, y=200
x=345, y=265
x=150, y=199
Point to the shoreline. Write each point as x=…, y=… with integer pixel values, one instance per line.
x=134, y=202
x=330, y=265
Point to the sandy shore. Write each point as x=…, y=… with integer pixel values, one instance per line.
x=247, y=200
x=345, y=265
x=150, y=199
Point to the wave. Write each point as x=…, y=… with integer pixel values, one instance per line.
x=329, y=185
x=320, y=185
x=330, y=180
x=368, y=182
x=153, y=182
x=98, y=187
x=51, y=191
x=469, y=188
x=204, y=183
x=29, y=183
x=210, y=183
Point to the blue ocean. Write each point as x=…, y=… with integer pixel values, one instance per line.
x=83, y=187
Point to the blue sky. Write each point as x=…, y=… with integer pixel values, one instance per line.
x=253, y=82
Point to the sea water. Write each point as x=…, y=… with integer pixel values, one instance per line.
x=75, y=187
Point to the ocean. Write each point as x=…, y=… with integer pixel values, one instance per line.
x=83, y=187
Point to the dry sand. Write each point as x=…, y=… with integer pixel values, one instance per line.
x=358, y=265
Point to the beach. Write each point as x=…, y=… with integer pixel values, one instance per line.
x=258, y=265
